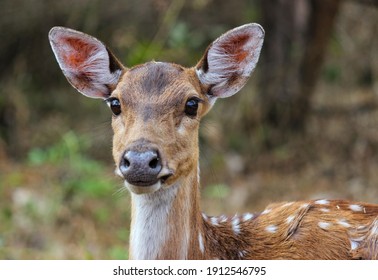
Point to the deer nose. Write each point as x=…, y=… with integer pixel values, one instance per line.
x=141, y=168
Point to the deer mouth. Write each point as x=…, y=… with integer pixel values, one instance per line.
x=142, y=181
x=138, y=189
x=164, y=178
x=144, y=184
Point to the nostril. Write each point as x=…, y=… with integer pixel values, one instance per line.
x=126, y=162
x=154, y=163
x=141, y=167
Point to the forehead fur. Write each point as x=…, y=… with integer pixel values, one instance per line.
x=153, y=78
x=155, y=87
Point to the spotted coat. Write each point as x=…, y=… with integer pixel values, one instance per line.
x=317, y=229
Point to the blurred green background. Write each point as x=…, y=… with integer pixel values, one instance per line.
x=304, y=127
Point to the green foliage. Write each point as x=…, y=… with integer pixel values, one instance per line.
x=180, y=41
x=217, y=191
x=12, y=179
x=83, y=173
x=142, y=52
x=119, y=253
x=237, y=142
x=123, y=234
x=69, y=147
x=332, y=73
x=60, y=196
x=102, y=214
x=181, y=36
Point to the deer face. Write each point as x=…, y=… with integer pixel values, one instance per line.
x=157, y=106
x=156, y=112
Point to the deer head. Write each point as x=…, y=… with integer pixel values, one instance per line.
x=157, y=106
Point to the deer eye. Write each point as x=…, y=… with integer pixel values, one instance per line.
x=191, y=106
x=114, y=105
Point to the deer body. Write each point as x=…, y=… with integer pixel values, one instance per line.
x=317, y=229
x=156, y=112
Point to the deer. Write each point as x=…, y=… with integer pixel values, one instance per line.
x=156, y=110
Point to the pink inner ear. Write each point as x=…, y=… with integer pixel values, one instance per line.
x=235, y=47
x=78, y=52
x=231, y=59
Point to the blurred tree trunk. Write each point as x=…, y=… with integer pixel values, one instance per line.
x=297, y=35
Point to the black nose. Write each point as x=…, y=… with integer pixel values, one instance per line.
x=141, y=168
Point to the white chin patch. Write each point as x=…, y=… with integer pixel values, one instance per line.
x=144, y=189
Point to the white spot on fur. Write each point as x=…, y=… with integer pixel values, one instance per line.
x=374, y=229
x=325, y=210
x=290, y=219
x=304, y=205
x=223, y=218
x=201, y=245
x=247, y=217
x=287, y=204
x=214, y=221
x=181, y=129
x=359, y=239
x=338, y=207
x=343, y=223
x=353, y=245
x=236, y=225
x=355, y=208
x=242, y=253
x=322, y=202
x=271, y=229
x=324, y=225
x=266, y=211
x=204, y=216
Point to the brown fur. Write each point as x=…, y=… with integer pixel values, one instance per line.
x=301, y=237
x=142, y=115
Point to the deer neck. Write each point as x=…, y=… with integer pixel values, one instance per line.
x=165, y=223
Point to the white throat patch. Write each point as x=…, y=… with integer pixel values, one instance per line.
x=150, y=228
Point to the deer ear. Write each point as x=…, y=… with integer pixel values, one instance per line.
x=230, y=60
x=86, y=62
